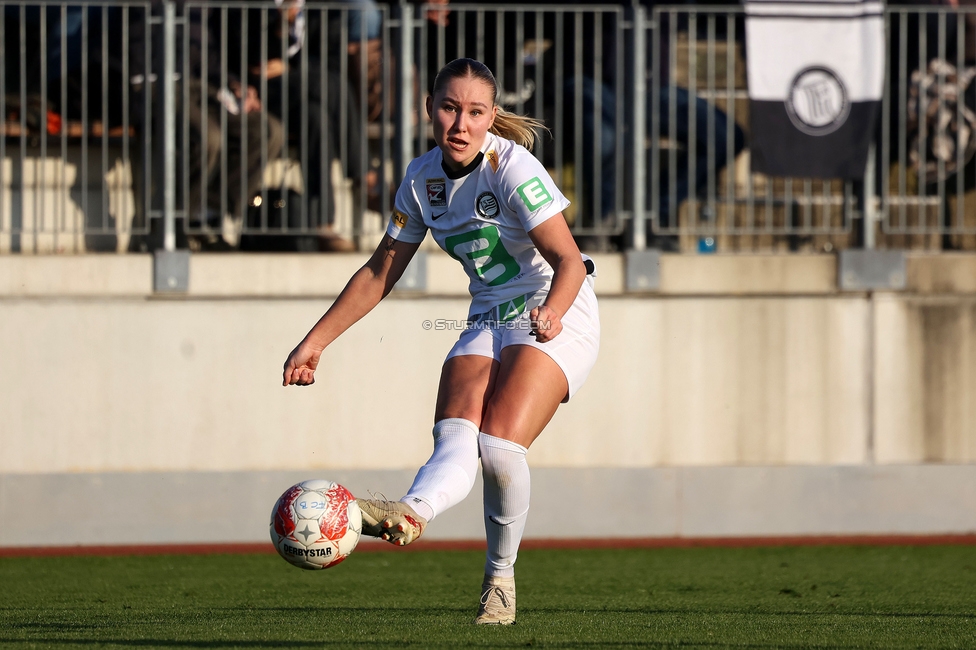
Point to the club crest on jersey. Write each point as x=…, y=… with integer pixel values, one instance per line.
x=487, y=205
x=436, y=192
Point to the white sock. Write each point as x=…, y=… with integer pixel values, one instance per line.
x=449, y=474
x=507, y=481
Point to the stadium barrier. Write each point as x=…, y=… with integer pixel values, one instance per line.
x=700, y=115
x=73, y=163
x=929, y=128
x=750, y=396
x=104, y=140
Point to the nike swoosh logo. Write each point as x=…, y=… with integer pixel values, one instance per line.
x=496, y=522
x=435, y=217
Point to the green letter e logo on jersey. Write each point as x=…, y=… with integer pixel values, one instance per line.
x=534, y=194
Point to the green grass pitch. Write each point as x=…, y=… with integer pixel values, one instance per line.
x=778, y=597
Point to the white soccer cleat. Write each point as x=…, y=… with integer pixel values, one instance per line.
x=393, y=521
x=497, y=602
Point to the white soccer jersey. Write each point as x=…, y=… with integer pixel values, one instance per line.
x=481, y=216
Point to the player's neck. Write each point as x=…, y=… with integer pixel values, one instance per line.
x=461, y=172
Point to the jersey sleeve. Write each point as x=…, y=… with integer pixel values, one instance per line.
x=407, y=221
x=529, y=190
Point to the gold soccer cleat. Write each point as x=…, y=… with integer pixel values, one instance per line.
x=497, y=602
x=393, y=521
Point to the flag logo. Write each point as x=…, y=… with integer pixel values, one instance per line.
x=817, y=102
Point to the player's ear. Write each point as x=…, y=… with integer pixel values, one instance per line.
x=494, y=114
x=430, y=107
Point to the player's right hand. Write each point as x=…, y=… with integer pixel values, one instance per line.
x=300, y=367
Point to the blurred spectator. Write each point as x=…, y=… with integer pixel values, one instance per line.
x=27, y=67
x=364, y=24
x=437, y=16
x=594, y=86
x=687, y=111
x=329, y=116
x=931, y=130
x=251, y=137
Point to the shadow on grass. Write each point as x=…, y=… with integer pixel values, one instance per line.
x=753, y=612
x=59, y=626
x=173, y=643
x=487, y=641
x=427, y=611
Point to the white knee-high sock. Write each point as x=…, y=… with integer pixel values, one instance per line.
x=449, y=474
x=507, y=481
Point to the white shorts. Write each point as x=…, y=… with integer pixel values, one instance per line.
x=574, y=349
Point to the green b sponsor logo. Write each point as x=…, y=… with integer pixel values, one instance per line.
x=534, y=194
x=483, y=251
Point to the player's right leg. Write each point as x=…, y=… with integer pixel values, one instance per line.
x=393, y=521
x=449, y=474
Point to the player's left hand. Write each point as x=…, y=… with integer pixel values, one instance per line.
x=546, y=323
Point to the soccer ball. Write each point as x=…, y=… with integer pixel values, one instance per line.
x=316, y=524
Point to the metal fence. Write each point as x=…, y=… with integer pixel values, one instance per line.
x=72, y=166
x=702, y=193
x=569, y=66
x=236, y=124
x=296, y=168
x=928, y=134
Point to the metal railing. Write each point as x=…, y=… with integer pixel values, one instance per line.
x=302, y=153
x=544, y=69
x=928, y=134
x=703, y=194
x=72, y=166
x=129, y=125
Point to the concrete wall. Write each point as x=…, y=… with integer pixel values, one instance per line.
x=700, y=502
x=748, y=396
x=926, y=379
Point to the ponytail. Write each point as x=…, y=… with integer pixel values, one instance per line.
x=522, y=129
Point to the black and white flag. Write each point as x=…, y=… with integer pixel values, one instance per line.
x=816, y=76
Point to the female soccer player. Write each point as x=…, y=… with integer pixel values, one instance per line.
x=534, y=327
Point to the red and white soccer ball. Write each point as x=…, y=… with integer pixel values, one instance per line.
x=316, y=524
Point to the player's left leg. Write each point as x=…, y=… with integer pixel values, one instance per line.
x=533, y=378
x=528, y=390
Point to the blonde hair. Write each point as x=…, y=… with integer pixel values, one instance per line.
x=521, y=129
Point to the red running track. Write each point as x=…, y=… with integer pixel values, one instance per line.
x=371, y=546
